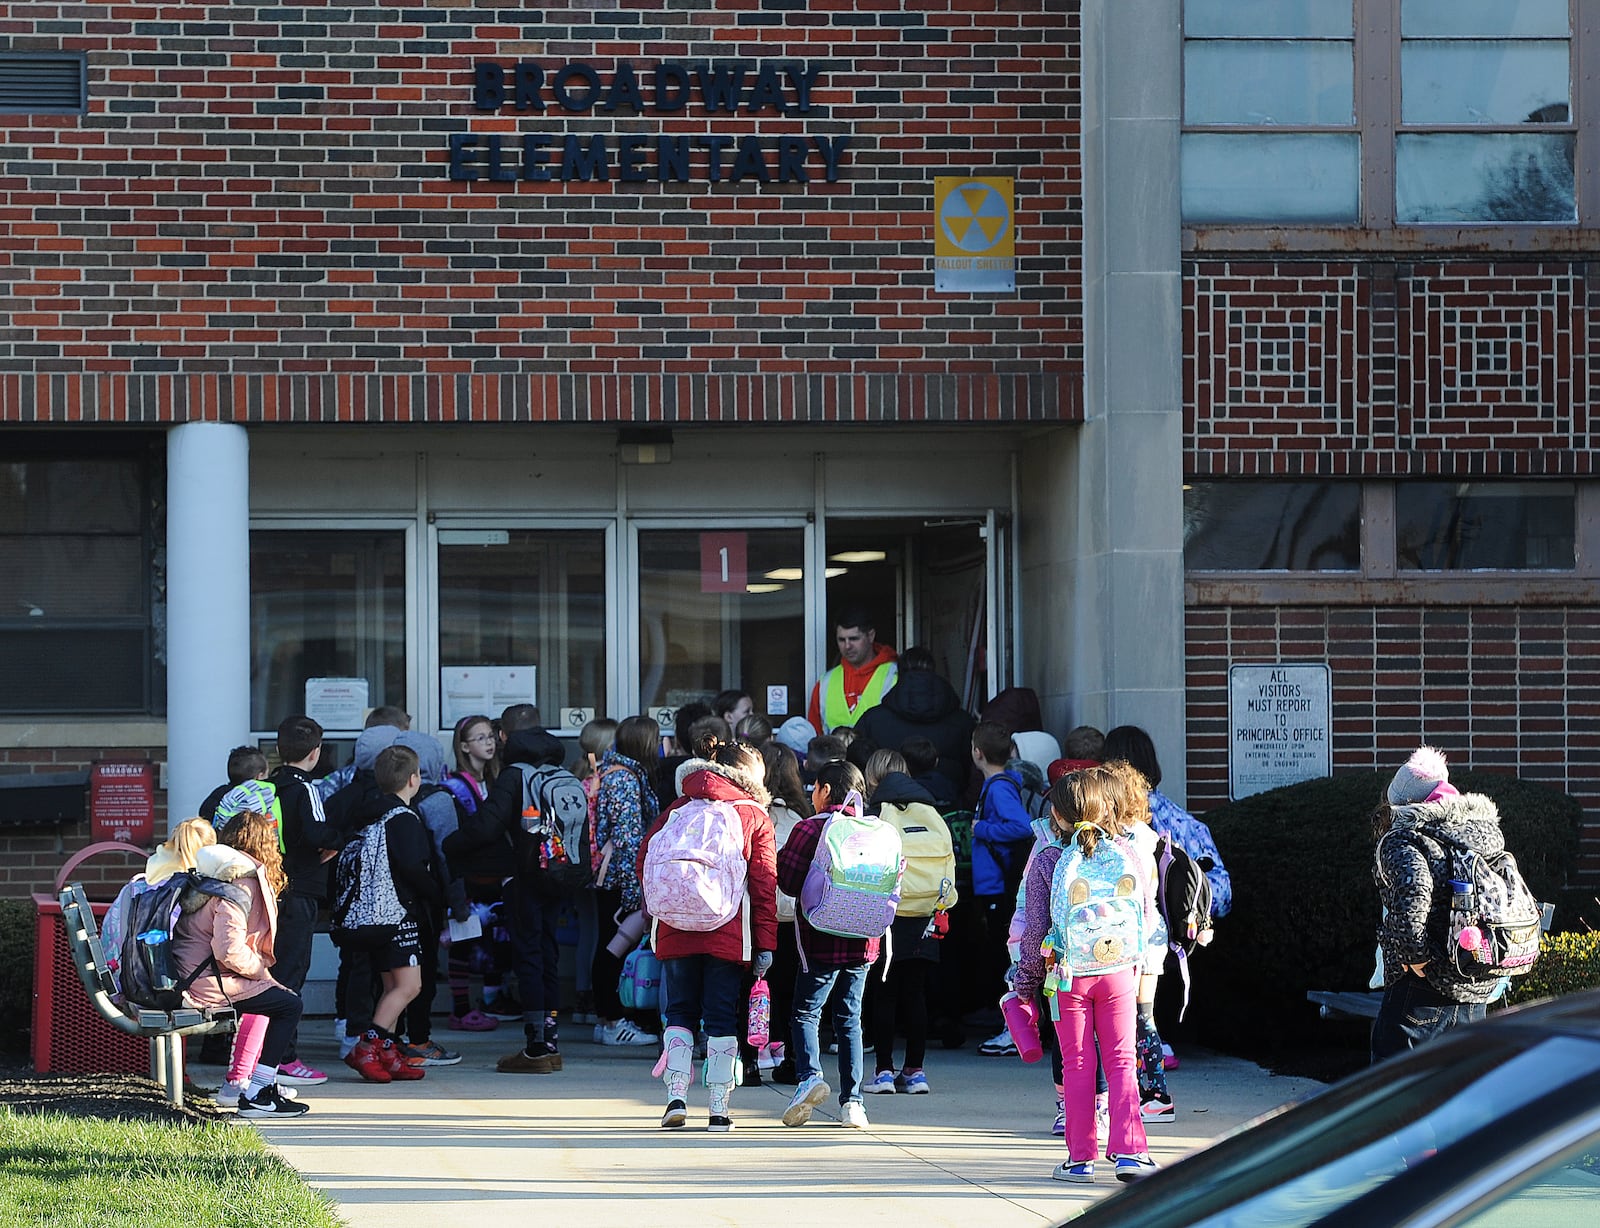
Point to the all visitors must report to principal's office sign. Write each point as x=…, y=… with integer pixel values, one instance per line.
x=1279, y=726
x=720, y=88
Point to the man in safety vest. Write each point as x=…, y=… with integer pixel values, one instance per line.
x=865, y=672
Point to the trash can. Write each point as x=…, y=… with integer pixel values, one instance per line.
x=68, y=1035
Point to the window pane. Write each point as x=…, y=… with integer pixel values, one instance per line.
x=695, y=641
x=327, y=603
x=74, y=670
x=1253, y=82
x=1479, y=82
x=1524, y=18
x=1502, y=525
x=71, y=496
x=1269, y=18
x=1496, y=177
x=528, y=598
x=1271, y=177
x=55, y=576
x=1272, y=526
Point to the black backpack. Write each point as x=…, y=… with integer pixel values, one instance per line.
x=148, y=971
x=1183, y=897
x=557, y=834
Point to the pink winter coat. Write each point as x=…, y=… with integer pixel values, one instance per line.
x=241, y=941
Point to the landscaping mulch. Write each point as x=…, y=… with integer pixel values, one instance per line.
x=114, y=1096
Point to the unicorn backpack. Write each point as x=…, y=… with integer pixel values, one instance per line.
x=1097, y=910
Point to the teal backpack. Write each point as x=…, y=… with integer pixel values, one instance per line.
x=1096, y=911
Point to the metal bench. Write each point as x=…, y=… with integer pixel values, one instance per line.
x=1343, y=1004
x=163, y=1028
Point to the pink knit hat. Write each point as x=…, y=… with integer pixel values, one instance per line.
x=1418, y=777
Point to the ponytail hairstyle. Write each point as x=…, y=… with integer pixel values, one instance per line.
x=187, y=839
x=1083, y=808
x=256, y=836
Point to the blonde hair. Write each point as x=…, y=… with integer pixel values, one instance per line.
x=187, y=839
x=1130, y=791
x=879, y=765
x=256, y=836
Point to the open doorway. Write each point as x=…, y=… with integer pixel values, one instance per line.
x=926, y=581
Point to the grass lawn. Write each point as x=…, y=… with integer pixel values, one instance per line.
x=80, y=1172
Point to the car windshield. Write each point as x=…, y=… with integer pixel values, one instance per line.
x=1325, y=1154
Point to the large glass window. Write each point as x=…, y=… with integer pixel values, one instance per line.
x=719, y=609
x=522, y=616
x=1500, y=526
x=75, y=584
x=1272, y=526
x=326, y=604
x=1293, y=113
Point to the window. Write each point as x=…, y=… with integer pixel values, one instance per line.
x=325, y=603
x=1382, y=112
x=1498, y=526
x=1272, y=526
x=515, y=601
x=76, y=579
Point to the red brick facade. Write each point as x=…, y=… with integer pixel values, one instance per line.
x=255, y=220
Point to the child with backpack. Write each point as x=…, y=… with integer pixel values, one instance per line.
x=834, y=961
x=790, y=803
x=709, y=875
x=927, y=890
x=477, y=762
x=1090, y=927
x=594, y=739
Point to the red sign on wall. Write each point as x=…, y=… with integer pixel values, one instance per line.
x=723, y=562
x=122, y=801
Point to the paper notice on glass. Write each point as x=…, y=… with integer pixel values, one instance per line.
x=337, y=703
x=466, y=931
x=486, y=690
x=513, y=684
x=777, y=701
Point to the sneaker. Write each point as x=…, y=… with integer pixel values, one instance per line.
x=524, y=1061
x=999, y=1045
x=807, y=1096
x=854, y=1116
x=428, y=1053
x=912, y=1083
x=771, y=1055
x=366, y=1062
x=269, y=1103
x=623, y=1032
x=399, y=1071
x=1059, y=1129
x=472, y=1021
x=1068, y=1171
x=677, y=1114
x=229, y=1095
x=347, y=1044
x=784, y=1073
x=1158, y=1110
x=881, y=1083
x=338, y=1030
x=1135, y=1167
x=1102, y=1120
x=1169, y=1059
x=298, y=1074
x=505, y=1009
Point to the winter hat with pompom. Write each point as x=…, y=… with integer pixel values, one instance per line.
x=1418, y=777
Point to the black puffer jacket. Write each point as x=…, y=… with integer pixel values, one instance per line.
x=1413, y=873
x=923, y=705
x=485, y=842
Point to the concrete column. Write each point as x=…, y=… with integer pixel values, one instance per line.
x=1125, y=553
x=208, y=607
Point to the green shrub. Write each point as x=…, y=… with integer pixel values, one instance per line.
x=1305, y=907
x=17, y=928
x=1567, y=963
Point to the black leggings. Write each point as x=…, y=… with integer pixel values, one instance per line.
x=902, y=1001
x=282, y=1009
x=606, y=970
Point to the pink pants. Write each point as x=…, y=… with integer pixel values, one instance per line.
x=246, y=1048
x=1100, y=1008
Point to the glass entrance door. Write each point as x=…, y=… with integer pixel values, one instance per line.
x=721, y=609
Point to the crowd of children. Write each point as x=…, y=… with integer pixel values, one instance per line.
x=415, y=856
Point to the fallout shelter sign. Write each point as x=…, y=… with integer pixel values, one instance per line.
x=974, y=237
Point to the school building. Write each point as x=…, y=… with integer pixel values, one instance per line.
x=1218, y=366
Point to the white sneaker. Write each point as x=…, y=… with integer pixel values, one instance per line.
x=807, y=1096
x=228, y=1096
x=622, y=1032
x=999, y=1045
x=854, y=1116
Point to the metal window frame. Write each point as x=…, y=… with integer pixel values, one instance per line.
x=81, y=58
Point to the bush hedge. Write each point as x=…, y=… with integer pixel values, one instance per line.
x=17, y=928
x=1305, y=907
x=1567, y=962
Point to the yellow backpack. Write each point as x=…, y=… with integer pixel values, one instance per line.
x=929, y=883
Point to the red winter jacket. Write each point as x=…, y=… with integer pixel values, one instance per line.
x=714, y=782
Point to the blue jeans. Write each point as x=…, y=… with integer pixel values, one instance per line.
x=1414, y=1011
x=704, y=988
x=813, y=990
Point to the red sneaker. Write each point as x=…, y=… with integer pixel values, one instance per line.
x=396, y=1065
x=366, y=1061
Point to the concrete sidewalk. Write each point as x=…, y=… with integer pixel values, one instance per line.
x=468, y=1147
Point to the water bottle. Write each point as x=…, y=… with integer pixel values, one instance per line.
x=759, y=1022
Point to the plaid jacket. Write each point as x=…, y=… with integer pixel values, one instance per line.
x=820, y=950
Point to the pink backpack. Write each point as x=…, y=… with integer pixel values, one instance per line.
x=694, y=868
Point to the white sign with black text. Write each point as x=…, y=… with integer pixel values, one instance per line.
x=1280, y=726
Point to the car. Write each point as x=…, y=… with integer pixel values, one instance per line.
x=1493, y=1125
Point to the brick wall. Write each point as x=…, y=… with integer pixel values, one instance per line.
x=1513, y=690
x=255, y=221
x=31, y=856
x=1335, y=368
